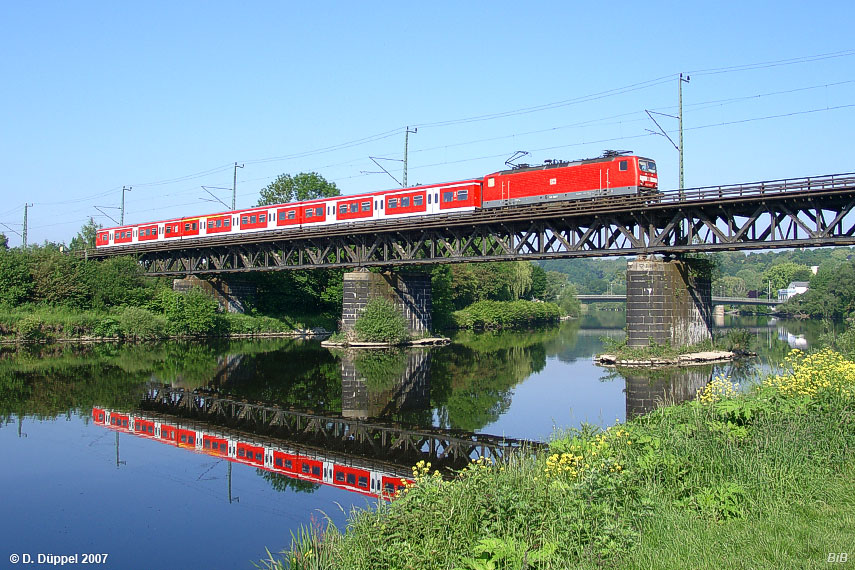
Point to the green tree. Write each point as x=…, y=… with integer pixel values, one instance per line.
x=381, y=321
x=16, y=285
x=781, y=275
x=538, y=282
x=4, y=242
x=85, y=238
x=303, y=186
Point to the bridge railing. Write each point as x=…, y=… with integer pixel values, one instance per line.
x=786, y=185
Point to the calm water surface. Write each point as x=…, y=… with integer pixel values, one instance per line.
x=71, y=484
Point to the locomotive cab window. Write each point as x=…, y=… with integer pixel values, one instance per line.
x=623, y=165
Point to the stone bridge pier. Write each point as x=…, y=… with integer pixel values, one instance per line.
x=231, y=294
x=668, y=302
x=410, y=292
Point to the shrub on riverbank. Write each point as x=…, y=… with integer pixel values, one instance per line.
x=191, y=315
x=505, y=314
x=758, y=479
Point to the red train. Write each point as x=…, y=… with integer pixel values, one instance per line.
x=609, y=175
x=263, y=454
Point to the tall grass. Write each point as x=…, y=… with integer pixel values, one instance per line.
x=762, y=479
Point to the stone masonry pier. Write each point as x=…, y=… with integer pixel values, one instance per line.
x=410, y=292
x=667, y=302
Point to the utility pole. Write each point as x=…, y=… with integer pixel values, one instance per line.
x=122, y=217
x=234, y=185
x=680, y=97
x=24, y=235
x=406, y=144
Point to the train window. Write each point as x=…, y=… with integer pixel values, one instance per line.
x=309, y=212
x=219, y=223
x=316, y=470
x=151, y=430
x=193, y=226
x=186, y=227
x=363, y=481
x=252, y=219
x=244, y=219
x=288, y=464
x=393, y=203
x=241, y=453
x=366, y=206
x=418, y=200
x=262, y=218
x=191, y=439
x=405, y=202
x=447, y=196
x=428, y=198
x=463, y=195
x=227, y=222
x=278, y=462
x=351, y=479
x=491, y=182
x=154, y=231
x=183, y=438
x=319, y=211
x=342, y=209
x=390, y=487
x=354, y=207
x=206, y=444
x=339, y=477
x=125, y=423
x=258, y=456
x=304, y=468
x=623, y=165
x=292, y=214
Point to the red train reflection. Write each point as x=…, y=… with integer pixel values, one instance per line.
x=267, y=455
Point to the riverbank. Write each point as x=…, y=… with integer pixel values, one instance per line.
x=764, y=478
x=37, y=324
x=689, y=359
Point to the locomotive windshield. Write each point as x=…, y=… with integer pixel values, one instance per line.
x=647, y=165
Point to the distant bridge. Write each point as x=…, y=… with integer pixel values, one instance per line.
x=715, y=300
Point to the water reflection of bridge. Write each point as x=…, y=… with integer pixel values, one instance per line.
x=332, y=432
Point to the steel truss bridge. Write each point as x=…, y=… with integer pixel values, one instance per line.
x=333, y=433
x=800, y=212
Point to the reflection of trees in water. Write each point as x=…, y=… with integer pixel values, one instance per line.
x=471, y=381
x=282, y=483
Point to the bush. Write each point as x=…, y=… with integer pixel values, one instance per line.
x=139, y=324
x=30, y=328
x=381, y=322
x=505, y=314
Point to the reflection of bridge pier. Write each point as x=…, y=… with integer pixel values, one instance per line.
x=375, y=384
x=647, y=390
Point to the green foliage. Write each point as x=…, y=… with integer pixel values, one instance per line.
x=381, y=321
x=303, y=186
x=381, y=369
x=769, y=471
x=85, y=238
x=781, y=275
x=136, y=323
x=496, y=314
x=16, y=286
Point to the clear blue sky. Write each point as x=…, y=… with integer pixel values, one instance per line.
x=165, y=96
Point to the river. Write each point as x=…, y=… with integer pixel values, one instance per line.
x=115, y=450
